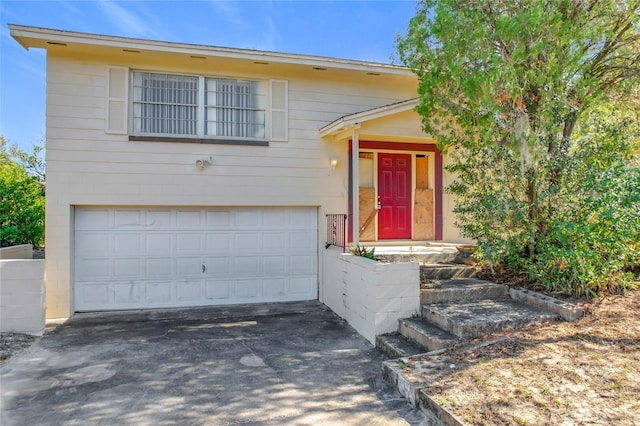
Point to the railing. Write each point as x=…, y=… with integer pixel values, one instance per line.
x=337, y=231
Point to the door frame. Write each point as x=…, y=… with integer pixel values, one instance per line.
x=409, y=148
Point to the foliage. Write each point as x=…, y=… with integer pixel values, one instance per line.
x=358, y=250
x=526, y=98
x=21, y=200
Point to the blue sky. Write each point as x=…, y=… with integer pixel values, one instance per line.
x=363, y=30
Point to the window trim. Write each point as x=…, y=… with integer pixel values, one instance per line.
x=201, y=136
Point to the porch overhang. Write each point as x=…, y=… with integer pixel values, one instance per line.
x=346, y=124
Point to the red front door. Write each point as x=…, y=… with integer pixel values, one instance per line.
x=394, y=196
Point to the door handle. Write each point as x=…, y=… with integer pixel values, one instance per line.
x=204, y=268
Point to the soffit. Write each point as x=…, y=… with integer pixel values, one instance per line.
x=71, y=43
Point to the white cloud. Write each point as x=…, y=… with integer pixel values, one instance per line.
x=127, y=22
x=230, y=12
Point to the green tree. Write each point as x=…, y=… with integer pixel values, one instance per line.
x=504, y=85
x=21, y=197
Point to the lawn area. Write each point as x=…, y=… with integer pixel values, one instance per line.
x=581, y=373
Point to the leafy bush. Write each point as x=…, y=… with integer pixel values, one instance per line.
x=590, y=218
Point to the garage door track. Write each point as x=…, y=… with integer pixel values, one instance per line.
x=290, y=363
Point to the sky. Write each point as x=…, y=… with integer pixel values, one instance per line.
x=364, y=30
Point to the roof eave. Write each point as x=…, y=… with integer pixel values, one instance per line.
x=27, y=36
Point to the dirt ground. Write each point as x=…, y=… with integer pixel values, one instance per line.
x=581, y=373
x=12, y=343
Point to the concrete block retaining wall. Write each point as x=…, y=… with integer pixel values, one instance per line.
x=371, y=296
x=23, y=251
x=22, y=304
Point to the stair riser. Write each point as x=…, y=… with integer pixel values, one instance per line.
x=422, y=259
x=445, y=295
x=446, y=273
x=430, y=343
x=387, y=349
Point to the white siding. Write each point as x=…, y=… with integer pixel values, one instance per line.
x=87, y=166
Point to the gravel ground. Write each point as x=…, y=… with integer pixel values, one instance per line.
x=13, y=343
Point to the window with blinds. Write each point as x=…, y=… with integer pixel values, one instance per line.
x=169, y=104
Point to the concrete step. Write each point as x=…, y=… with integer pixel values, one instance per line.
x=462, y=290
x=446, y=271
x=427, y=335
x=421, y=254
x=474, y=319
x=395, y=345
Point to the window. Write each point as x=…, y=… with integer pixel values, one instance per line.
x=182, y=105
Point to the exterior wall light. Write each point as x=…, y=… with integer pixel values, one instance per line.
x=334, y=164
x=202, y=163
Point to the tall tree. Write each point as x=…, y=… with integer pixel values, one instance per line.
x=21, y=197
x=504, y=84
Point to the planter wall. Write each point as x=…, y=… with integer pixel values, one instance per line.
x=22, y=296
x=23, y=251
x=371, y=296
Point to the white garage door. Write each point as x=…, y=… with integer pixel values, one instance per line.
x=136, y=258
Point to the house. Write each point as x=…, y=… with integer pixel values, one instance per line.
x=185, y=175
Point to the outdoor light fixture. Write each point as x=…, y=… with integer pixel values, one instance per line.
x=201, y=164
x=334, y=163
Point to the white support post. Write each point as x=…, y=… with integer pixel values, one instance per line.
x=355, y=179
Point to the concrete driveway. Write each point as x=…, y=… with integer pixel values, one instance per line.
x=291, y=363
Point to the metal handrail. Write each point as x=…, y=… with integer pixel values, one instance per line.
x=336, y=231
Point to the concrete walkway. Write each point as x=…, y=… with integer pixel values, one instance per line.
x=293, y=363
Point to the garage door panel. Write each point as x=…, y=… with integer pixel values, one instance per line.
x=303, y=286
x=302, y=265
x=218, y=266
x=218, y=219
x=247, y=265
x=94, y=294
x=188, y=242
x=158, y=219
x=127, y=293
x=248, y=219
x=159, y=267
x=189, y=291
x=219, y=289
x=274, y=219
x=159, y=242
x=127, y=269
x=92, y=219
x=160, y=292
x=247, y=289
x=274, y=241
x=129, y=243
x=127, y=219
x=189, y=266
x=302, y=240
x=274, y=265
x=163, y=257
x=93, y=269
x=218, y=242
x=274, y=288
x=189, y=219
x=246, y=240
x=94, y=242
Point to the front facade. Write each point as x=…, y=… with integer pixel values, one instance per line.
x=183, y=175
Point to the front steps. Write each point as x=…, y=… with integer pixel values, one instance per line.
x=455, y=311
